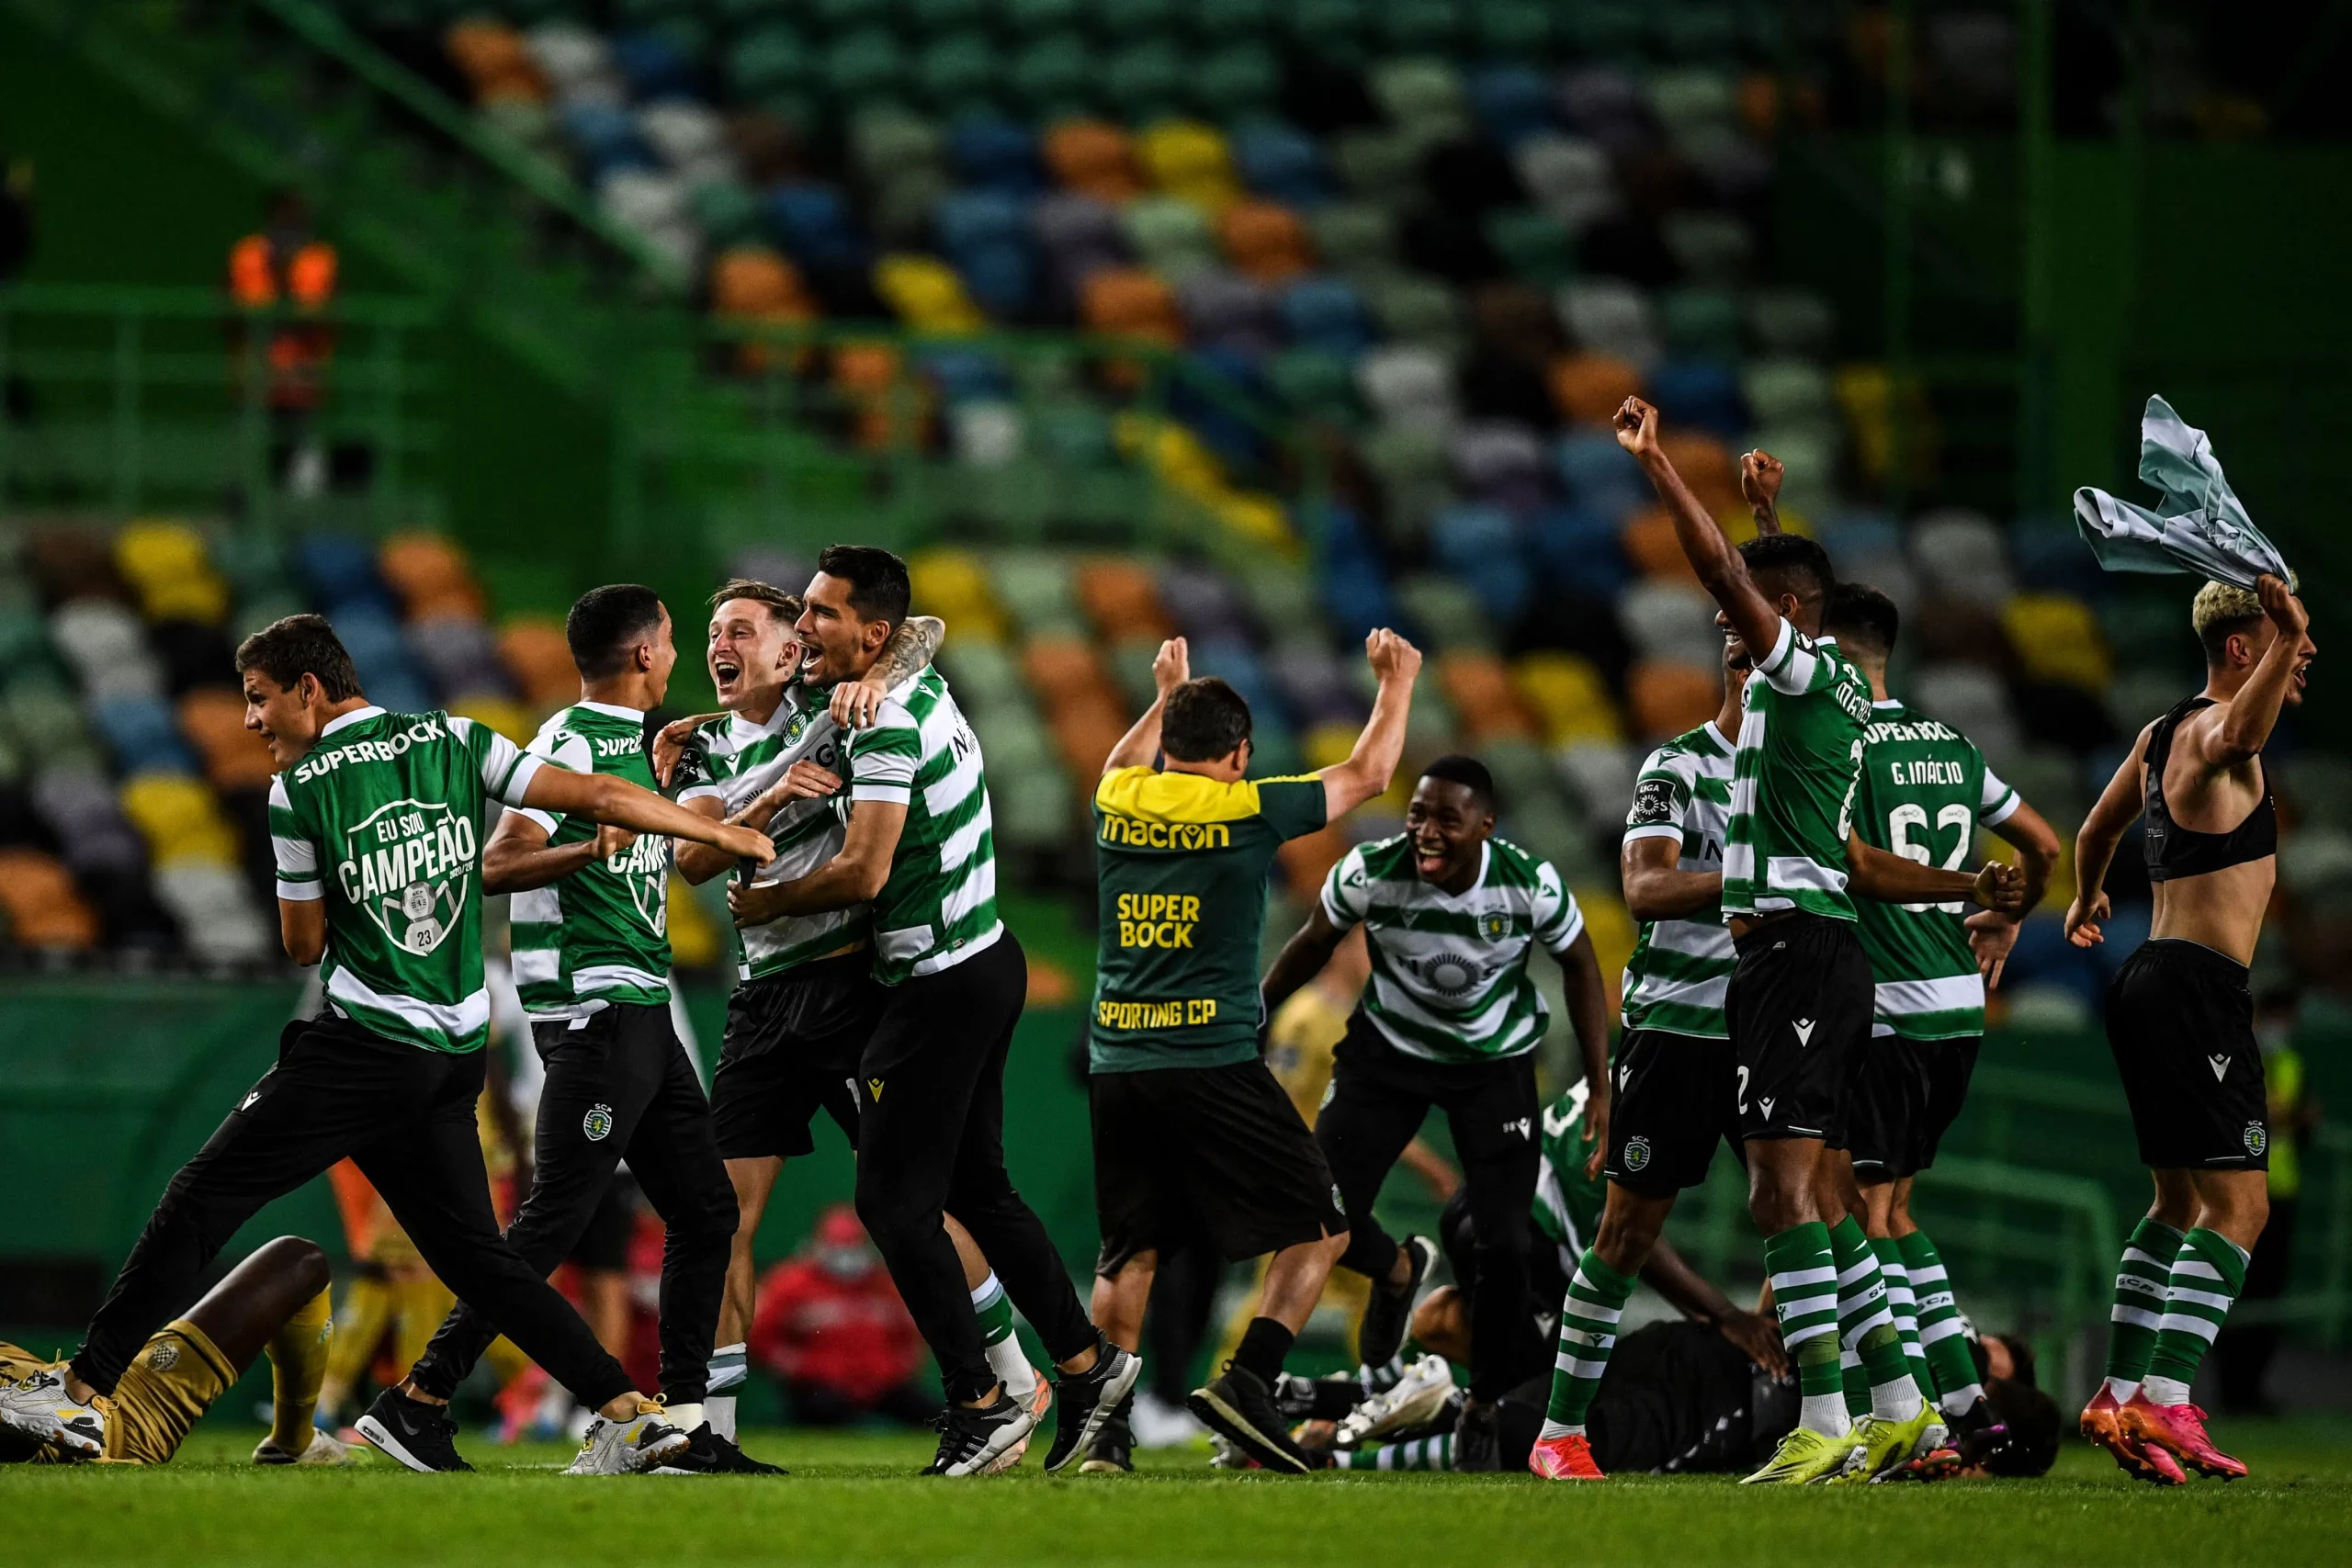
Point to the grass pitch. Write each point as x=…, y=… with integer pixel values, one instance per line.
x=854, y=1499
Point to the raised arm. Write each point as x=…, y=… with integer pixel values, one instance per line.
x=2228, y=734
x=1720, y=571
x=602, y=798
x=909, y=650
x=1170, y=668
x=2119, y=805
x=1373, y=763
x=1301, y=959
x=1760, y=484
x=1656, y=888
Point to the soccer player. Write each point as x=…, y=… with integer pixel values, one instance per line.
x=274, y=1300
x=931, y=1080
x=1451, y=1019
x=376, y=819
x=1192, y=1136
x=1566, y=1213
x=1797, y=1005
x=805, y=999
x=2180, y=1018
x=591, y=962
x=1924, y=792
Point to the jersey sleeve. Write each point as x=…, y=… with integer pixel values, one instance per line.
x=1998, y=802
x=1347, y=892
x=1796, y=664
x=697, y=773
x=1661, y=800
x=1292, y=806
x=291, y=846
x=506, y=769
x=1558, y=920
x=883, y=757
x=565, y=749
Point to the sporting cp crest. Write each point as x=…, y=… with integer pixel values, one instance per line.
x=598, y=1124
x=2258, y=1138
x=409, y=865
x=1637, y=1154
x=1494, y=925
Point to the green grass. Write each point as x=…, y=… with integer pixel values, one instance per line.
x=853, y=1499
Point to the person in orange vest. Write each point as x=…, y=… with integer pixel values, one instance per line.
x=286, y=270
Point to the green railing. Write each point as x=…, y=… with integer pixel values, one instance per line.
x=145, y=399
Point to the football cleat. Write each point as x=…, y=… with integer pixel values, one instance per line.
x=322, y=1448
x=1237, y=1403
x=1881, y=1445
x=707, y=1453
x=1803, y=1458
x=971, y=1440
x=38, y=1406
x=1413, y=1400
x=1564, y=1458
x=2179, y=1430
x=1089, y=1399
x=1113, y=1450
x=2141, y=1462
x=630, y=1447
x=1041, y=1399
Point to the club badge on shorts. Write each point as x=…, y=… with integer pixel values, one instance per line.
x=1637, y=1153
x=2258, y=1138
x=598, y=1124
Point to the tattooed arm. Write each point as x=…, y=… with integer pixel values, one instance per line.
x=908, y=652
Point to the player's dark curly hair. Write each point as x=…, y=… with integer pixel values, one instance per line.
x=288, y=649
x=1858, y=614
x=1203, y=719
x=879, y=587
x=606, y=623
x=1467, y=771
x=1794, y=564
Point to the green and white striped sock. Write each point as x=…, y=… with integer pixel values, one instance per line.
x=2141, y=1283
x=2207, y=1276
x=1904, y=1309
x=1866, y=1326
x=1805, y=1298
x=1421, y=1453
x=1006, y=1358
x=1596, y=1300
x=1943, y=1333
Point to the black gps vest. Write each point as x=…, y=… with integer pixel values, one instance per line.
x=2174, y=851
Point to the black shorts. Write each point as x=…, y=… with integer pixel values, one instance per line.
x=1799, y=1006
x=791, y=1048
x=1549, y=1265
x=1213, y=1153
x=1675, y=1096
x=2181, y=1021
x=604, y=1245
x=1906, y=1097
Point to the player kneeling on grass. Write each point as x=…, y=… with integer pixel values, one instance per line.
x=274, y=1300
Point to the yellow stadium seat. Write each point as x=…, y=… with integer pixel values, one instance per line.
x=954, y=585
x=2057, y=639
x=1188, y=159
x=927, y=294
x=1570, y=698
x=505, y=715
x=180, y=818
x=167, y=565
x=694, y=935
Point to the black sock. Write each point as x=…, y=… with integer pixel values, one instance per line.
x=1264, y=1346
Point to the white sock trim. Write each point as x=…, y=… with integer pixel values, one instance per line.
x=2164, y=1391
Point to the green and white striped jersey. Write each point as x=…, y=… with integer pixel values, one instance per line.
x=382, y=820
x=1449, y=970
x=939, y=906
x=1568, y=1204
x=1793, y=781
x=603, y=933
x=1925, y=790
x=735, y=761
x=1675, y=978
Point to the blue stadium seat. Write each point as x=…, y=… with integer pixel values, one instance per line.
x=996, y=154
x=1701, y=393
x=1326, y=312
x=1511, y=103
x=1281, y=163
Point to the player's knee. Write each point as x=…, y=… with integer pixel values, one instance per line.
x=1438, y=1324
x=1627, y=1234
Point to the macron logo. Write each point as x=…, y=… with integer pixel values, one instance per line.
x=247, y=1103
x=2220, y=1066
x=1768, y=1107
x=1803, y=1027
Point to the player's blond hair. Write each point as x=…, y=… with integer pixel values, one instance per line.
x=2220, y=611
